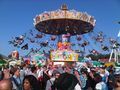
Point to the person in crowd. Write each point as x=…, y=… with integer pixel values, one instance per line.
x=104, y=74
x=67, y=69
x=34, y=71
x=91, y=77
x=22, y=73
x=1, y=74
x=67, y=81
x=83, y=77
x=38, y=71
x=6, y=73
x=51, y=82
x=110, y=79
x=27, y=69
x=116, y=82
x=100, y=85
x=17, y=83
x=77, y=74
x=85, y=80
x=44, y=78
x=30, y=83
x=6, y=84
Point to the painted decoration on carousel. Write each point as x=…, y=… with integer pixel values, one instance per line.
x=38, y=58
x=61, y=14
x=63, y=55
x=65, y=45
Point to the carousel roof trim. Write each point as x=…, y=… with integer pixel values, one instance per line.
x=64, y=13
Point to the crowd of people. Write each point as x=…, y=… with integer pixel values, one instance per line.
x=57, y=77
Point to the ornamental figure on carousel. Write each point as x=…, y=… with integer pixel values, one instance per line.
x=15, y=54
x=65, y=42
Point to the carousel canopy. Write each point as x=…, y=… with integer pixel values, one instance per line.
x=64, y=21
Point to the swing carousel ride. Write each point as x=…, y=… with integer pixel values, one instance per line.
x=64, y=24
x=57, y=31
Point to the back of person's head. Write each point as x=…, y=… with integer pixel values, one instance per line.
x=45, y=67
x=21, y=67
x=97, y=78
x=55, y=72
x=33, y=69
x=6, y=84
x=66, y=81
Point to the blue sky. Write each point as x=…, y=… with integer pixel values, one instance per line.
x=16, y=16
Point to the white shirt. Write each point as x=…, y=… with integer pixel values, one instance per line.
x=77, y=87
x=50, y=83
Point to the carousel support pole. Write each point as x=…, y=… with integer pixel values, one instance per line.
x=84, y=51
x=115, y=54
x=118, y=56
x=111, y=55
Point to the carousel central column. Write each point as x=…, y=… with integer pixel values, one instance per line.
x=64, y=41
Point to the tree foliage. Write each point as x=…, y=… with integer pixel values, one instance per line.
x=99, y=56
